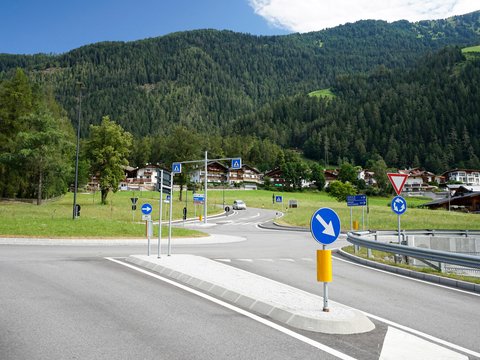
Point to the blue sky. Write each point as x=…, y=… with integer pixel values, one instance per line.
x=33, y=26
x=57, y=26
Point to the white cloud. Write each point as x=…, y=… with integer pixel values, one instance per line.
x=313, y=15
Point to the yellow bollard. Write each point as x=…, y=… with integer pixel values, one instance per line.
x=324, y=265
x=200, y=218
x=355, y=225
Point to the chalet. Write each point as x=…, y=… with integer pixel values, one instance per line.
x=464, y=199
x=142, y=178
x=330, y=175
x=216, y=173
x=418, y=180
x=247, y=175
x=464, y=176
x=276, y=177
x=367, y=176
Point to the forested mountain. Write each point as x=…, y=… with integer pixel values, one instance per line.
x=403, y=91
x=206, y=79
x=427, y=116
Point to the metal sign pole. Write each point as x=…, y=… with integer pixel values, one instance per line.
x=399, y=242
x=351, y=219
x=363, y=218
x=205, y=201
x=160, y=203
x=325, y=292
x=148, y=237
x=170, y=218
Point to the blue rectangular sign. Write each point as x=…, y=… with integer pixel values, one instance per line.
x=356, y=200
x=198, y=197
x=236, y=163
x=278, y=198
x=176, y=168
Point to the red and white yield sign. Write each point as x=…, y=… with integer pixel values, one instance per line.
x=398, y=181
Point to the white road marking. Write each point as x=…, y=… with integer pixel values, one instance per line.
x=406, y=328
x=407, y=277
x=246, y=260
x=399, y=345
x=257, y=318
x=224, y=260
x=269, y=260
x=286, y=259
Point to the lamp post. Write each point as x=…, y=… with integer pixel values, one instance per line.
x=75, y=212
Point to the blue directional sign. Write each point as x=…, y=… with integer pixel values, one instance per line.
x=356, y=200
x=325, y=226
x=198, y=198
x=147, y=209
x=176, y=168
x=278, y=198
x=236, y=163
x=399, y=205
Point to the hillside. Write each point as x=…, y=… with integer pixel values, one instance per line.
x=206, y=79
x=426, y=116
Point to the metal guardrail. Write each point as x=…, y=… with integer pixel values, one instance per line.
x=446, y=257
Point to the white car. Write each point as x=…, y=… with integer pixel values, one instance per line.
x=239, y=205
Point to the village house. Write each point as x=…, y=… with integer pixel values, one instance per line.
x=462, y=198
x=464, y=176
x=142, y=178
x=418, y=180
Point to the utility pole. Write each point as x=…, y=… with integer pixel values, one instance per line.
x=75, y=212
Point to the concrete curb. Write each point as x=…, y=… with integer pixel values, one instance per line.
x=212, y=239
x=267, y=297
x=413, y=274
x=275, y=226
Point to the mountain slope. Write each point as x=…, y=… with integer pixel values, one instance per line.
x=206, y=79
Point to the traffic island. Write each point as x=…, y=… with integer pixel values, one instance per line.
x=280, y=302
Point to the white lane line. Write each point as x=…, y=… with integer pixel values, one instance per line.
x=245, y=260
x=286, y=259
x=406, y=328
x=407, y=277
x=269, y=260
x=400, y=345
x=224, y=260
x=422, y=334
x=268, y=323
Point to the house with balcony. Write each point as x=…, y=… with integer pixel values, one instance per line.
x=247, y=175
x=216, y=173
x=418, y=180
x=141, y=178
x=463, y=176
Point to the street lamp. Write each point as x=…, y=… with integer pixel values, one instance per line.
x=75, y=210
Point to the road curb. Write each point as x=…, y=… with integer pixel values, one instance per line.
x=413, y=274
x=267, y=297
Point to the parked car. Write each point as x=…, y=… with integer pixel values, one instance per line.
x=239, y=205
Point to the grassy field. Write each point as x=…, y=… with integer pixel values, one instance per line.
x=471, y=49
x=326, y=93
x=116, y=219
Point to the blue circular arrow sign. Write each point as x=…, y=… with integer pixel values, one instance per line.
x=399, y=205
x=325, y=226
x=147, y=209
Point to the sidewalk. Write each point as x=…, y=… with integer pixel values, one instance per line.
x=278, y=301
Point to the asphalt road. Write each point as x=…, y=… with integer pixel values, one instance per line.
x=71, y=303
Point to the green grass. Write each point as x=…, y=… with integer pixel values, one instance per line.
x=388, y=259
x=325, y=93
x=114, y=220
x=471, y=49
x=54, y=219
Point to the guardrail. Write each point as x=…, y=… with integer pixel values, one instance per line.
x=472, y=261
